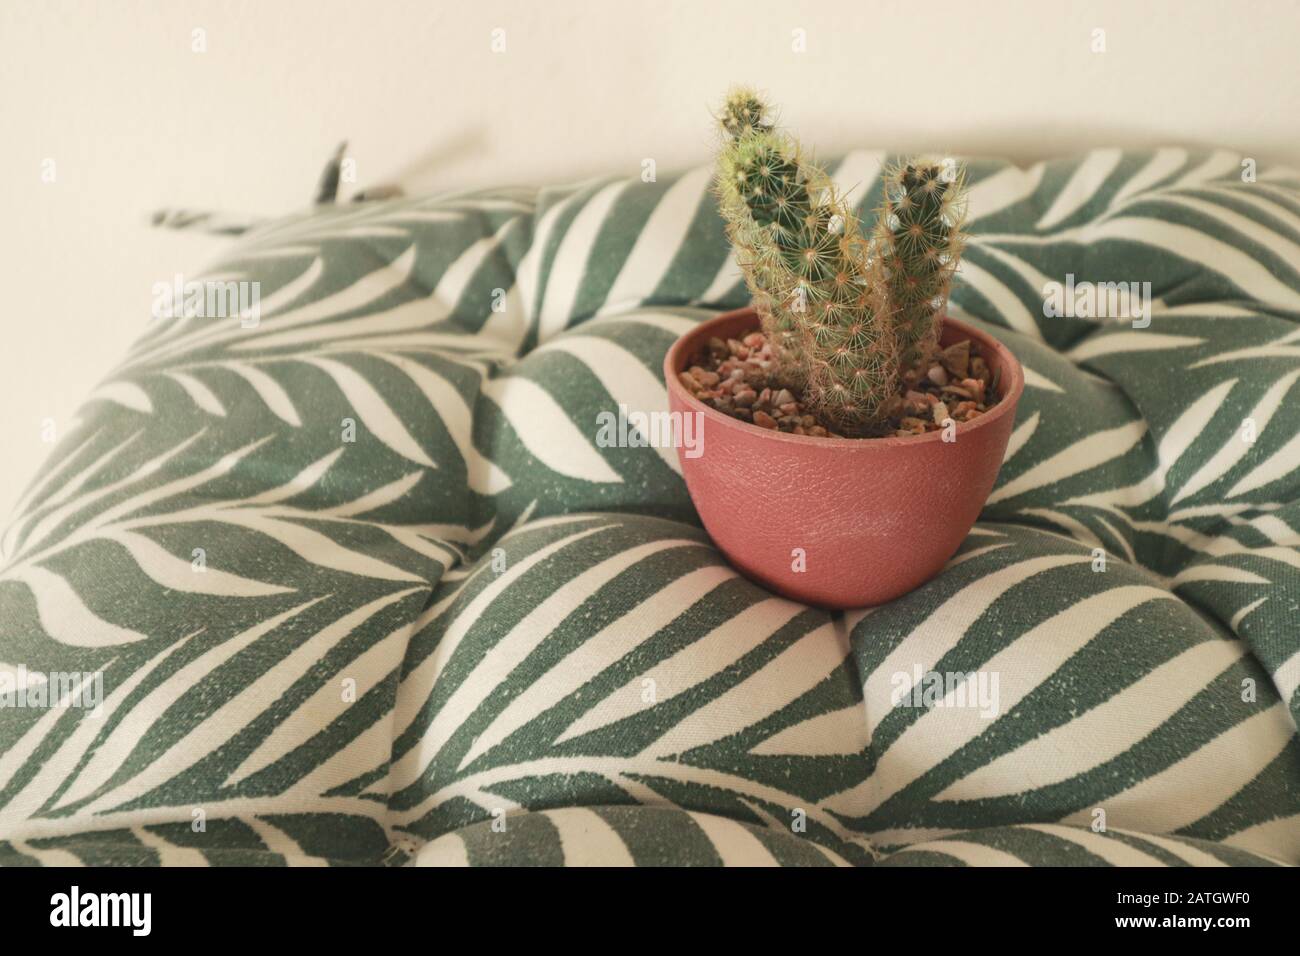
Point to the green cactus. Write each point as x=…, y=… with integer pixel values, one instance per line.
x=846, y=317
x=918, y=244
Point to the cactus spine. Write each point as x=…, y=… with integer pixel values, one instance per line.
x=847, y=318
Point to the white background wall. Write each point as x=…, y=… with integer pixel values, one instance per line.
x=135, y=120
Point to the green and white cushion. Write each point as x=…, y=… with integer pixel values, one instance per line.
x=363, y=587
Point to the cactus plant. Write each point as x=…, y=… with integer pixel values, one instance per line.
x=848, y=318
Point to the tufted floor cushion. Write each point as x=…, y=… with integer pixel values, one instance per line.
x=361, y=586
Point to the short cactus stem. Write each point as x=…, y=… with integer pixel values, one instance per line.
x=919, y=243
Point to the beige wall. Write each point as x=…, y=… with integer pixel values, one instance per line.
x=134, y=120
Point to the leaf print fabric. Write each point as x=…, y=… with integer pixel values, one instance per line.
x=361, y=586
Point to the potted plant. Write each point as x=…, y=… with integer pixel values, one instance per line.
x=852, y=432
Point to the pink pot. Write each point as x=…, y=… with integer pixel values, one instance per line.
x=868, y=519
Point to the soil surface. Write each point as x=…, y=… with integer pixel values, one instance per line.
x=740, y=378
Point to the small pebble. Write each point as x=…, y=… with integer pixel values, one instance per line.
x=956, y=358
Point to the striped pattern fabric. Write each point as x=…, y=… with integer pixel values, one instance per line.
x=360, y=586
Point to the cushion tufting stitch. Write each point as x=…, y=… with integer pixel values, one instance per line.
x=361, y=586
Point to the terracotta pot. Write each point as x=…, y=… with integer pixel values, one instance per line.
x=872, y=518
